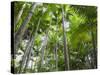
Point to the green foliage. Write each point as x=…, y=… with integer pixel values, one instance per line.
x=82, y=22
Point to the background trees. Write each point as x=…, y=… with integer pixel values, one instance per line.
x=54, y=37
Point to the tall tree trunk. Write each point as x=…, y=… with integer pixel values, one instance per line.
x=28, y=49
x=20, y=32
x=24, y=58
x=32, y=64
x=42, y=55
x=27, y=60
x=19, y=15
x=66, y=55
x=56, y=56
x=43, y=46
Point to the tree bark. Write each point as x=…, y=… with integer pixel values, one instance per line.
x=56, y=57
x=44, y=43
x=28, y=49
x=56, y=46
x=27, y=60
x=20, y=32
x=19, y=14
x=66, y=55
x=42, y=55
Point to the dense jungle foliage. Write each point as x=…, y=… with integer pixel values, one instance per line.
x=54, y=37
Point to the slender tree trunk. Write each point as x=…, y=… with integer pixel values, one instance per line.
x=28, y=48
x=43, y=46
x=24, y=59
x=36, y=61
x=42, y=55
x=27, y=60
x=56, y=57
x=66, y=55
x=32, y=65
x=19, y=15
x=20, y=32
